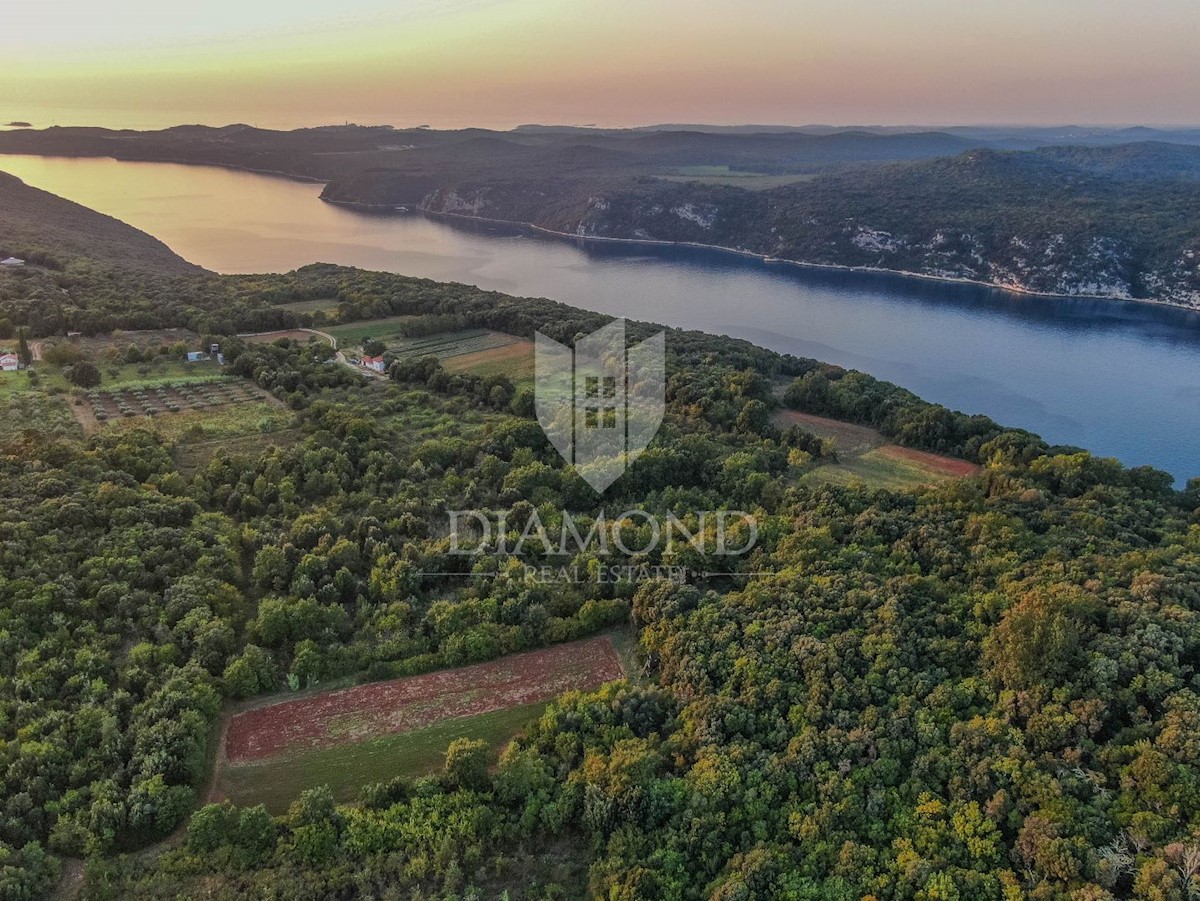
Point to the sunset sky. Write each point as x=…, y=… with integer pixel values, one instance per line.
x=499, y=63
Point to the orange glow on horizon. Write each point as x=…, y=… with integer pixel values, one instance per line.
x=499, y=63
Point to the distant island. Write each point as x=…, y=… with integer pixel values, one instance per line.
x=19, y=125
x=1071, y=212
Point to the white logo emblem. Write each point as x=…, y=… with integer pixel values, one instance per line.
x=600, y=405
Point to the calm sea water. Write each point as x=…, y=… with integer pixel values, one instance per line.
x=1121, y=379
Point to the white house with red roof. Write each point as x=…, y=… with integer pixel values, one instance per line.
x=9, y=363
x=373, y=363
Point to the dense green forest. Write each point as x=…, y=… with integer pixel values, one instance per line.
x=983, y=689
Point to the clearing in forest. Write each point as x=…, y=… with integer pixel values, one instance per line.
x=193, y=410
x=368, y=733
x=864, y=455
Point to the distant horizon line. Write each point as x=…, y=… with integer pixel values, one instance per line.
x=19, y=122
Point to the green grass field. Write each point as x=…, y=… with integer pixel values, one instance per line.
x=514, y=360
x=442, y=345
x=864, y=455
x=354, y=333
x=278, y=782
x=129, y=375
x=257, y=418
x=13, y=383
x=625, y=642
x=113, y=375
x=875, y=469
x=322, y=305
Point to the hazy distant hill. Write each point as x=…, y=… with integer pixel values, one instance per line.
x=1120, y=222
x=48, y=230
x=336, y=152
x=1112, y=221
x=1086, y=211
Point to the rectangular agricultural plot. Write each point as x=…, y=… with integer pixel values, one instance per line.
x=299, y=335
x=347, y=768
x=450, y=345
x=119, y=341
x=514, y=360
x=352, y=736
x=190, y=454
x=320, y=305
x=213, y=407
x=443, y=345
x=386, y=329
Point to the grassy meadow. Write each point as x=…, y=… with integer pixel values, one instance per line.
x=865, y=456
x=346, y=768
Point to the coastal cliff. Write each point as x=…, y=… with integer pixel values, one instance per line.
x=1050, y=222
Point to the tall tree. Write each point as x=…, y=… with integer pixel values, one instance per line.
x=24, y=354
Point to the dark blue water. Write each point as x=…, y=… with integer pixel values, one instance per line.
x=1121, y=379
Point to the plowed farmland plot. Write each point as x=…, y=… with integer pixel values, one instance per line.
x=452, y=344
x=442, y=345
x=368, y=733
x=513, y=360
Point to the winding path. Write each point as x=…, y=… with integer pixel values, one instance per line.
x=333, y=342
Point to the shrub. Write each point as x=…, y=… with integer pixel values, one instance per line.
x=83, y=374
x=467, y=764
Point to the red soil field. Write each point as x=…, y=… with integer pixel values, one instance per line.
x=951, y=466
x=353, y=715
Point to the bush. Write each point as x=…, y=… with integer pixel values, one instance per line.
x=211, y=827
x=84, y=374
x=61, y=354
x=467, y=764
